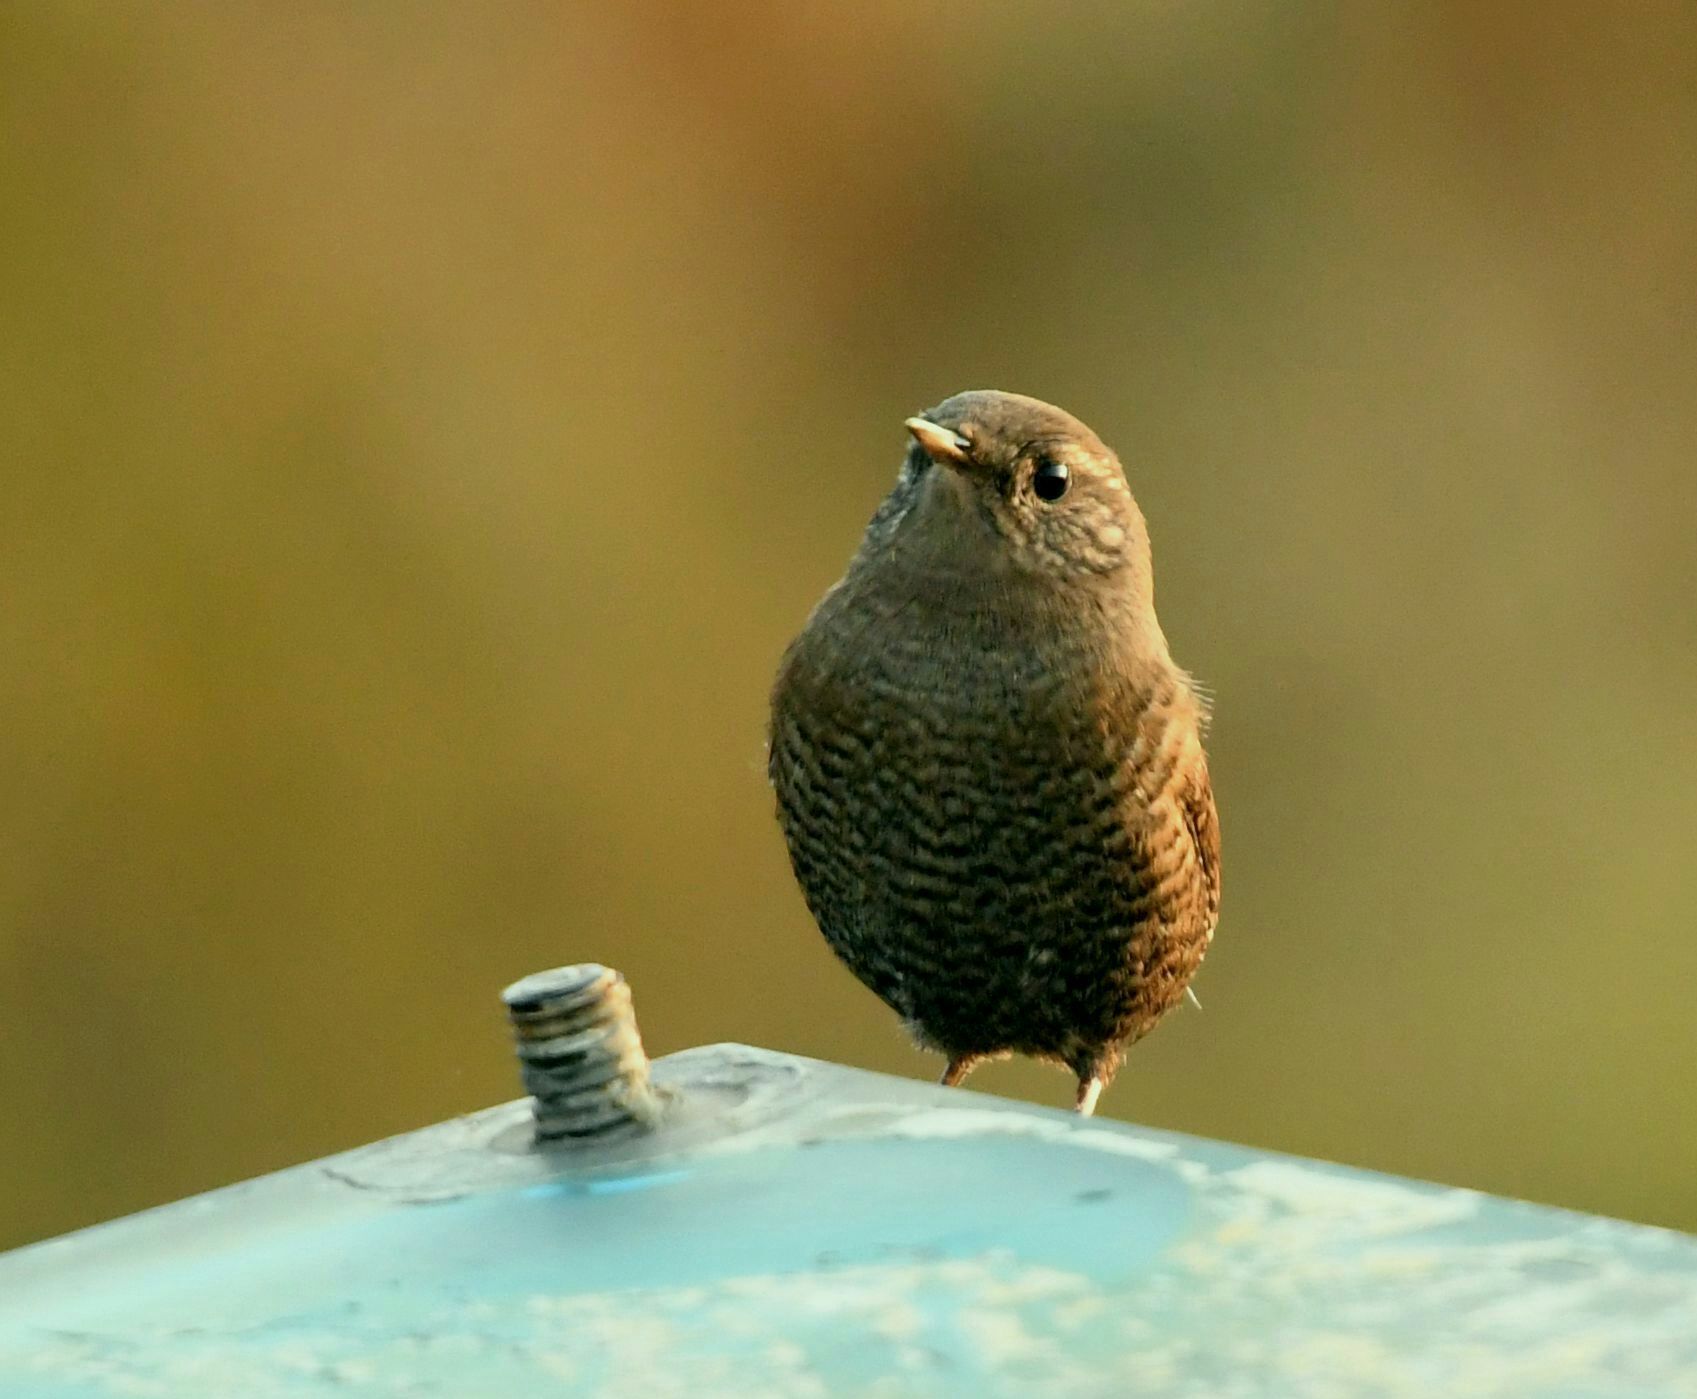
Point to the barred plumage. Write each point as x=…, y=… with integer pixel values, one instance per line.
x=988, y=769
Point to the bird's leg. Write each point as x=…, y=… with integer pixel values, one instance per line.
x=959, y=1067
x=1089, y=1090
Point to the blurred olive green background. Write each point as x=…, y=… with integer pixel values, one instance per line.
x=423, y=426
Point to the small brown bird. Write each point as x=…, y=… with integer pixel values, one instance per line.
x=989, y=771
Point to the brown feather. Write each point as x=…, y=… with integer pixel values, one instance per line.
x=989, y=771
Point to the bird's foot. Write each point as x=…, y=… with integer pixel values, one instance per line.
x=1089, y=1090
x=958, y=1069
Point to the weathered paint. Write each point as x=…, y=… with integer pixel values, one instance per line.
x=804, y=1229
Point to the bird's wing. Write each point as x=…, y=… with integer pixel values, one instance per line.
x=1203, y=823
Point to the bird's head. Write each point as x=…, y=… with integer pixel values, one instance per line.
x=1028, y=486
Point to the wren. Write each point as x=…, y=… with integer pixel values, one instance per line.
x=989, y=770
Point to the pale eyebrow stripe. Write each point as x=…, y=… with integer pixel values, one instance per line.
x=1089, y=466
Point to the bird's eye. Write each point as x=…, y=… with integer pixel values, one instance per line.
x=1051, y=479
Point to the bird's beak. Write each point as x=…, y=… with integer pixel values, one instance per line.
x=946, y=447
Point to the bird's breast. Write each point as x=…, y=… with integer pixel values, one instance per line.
x=982, y=828
x=939, y=763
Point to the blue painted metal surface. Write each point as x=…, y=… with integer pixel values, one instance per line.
x=804, y=1229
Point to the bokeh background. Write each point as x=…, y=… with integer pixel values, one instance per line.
x=422, y=428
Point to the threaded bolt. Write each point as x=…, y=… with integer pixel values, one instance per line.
x=580, y=1054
